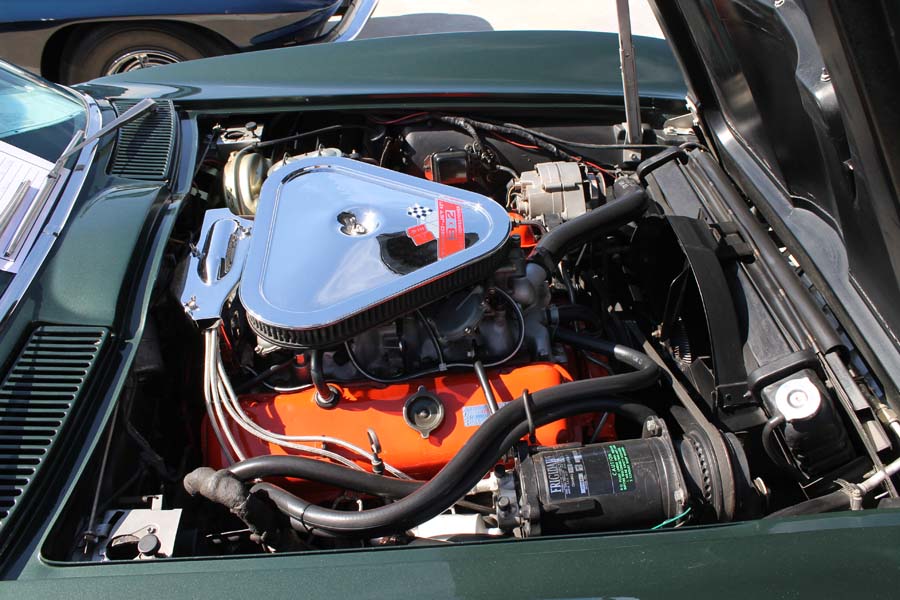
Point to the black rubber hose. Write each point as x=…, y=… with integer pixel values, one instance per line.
x=838, y=500
x=361, y=481
x=489, y=442
x=568, y=313
x=322, y=472
x=325, y=395
x=623, y=354
x=426, y=503
x=603, y=219
x=770, y=445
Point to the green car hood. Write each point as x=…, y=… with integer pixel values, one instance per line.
x=514, y=64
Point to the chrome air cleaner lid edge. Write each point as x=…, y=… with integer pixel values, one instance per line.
x=340, y=246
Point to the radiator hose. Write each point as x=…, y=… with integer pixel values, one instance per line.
x=480, y=453
x=629, y=205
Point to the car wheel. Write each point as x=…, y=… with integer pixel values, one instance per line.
x=114, y=49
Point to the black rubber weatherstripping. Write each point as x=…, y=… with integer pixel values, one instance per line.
x=839, y=500
x=489, y=442
x=611, y=216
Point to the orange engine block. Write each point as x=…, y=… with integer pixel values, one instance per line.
x=380, y=408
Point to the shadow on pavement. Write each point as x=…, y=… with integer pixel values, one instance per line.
x=422, y=23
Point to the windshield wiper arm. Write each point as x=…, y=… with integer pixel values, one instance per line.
x=31, y=213
x=126, y=117
x=25, y=224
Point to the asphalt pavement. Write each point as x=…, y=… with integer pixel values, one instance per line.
x=408, y=17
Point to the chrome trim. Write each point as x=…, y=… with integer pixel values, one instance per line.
x=10, y=209
x=25, y=225
x=66, y=191
x=215, y=264
x=352, y=23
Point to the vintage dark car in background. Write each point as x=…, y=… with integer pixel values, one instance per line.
x=72, y=41
x=464, y=315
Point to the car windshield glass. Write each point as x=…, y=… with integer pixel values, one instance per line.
x=36, y=116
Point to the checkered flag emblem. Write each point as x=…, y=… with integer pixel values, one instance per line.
x=419, y=212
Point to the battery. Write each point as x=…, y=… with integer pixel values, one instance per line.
x=629, y=483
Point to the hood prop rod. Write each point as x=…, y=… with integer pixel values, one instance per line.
x=633, y=132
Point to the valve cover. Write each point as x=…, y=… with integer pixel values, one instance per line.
x=340, y=246
x=365, y=406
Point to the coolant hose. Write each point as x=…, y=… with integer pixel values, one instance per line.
x=432, y=498
x=567, y=313
x=623, y=354
x=361, y=481
x=603, y=219
x=482, y=451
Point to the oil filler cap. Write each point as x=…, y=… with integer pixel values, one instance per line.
x=423, y=411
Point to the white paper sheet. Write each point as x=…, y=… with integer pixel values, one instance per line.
x=17, y=166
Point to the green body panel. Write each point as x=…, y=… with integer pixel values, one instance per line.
x=81, y=284
x=829, y=556
x=460, y=66
x=81, y=281
x=107, y=260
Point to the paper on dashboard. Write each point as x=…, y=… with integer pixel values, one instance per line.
x=22, y=175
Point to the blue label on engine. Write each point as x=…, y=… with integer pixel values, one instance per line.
x=473, y=416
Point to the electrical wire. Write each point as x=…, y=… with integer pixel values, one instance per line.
x=515, y=143
x=434, y=338
x=538, y=140
x=260, y=378
x=603, y=419
x=220, y=387
x=672, y=520
x=401, y=119
x=286, y=441
x=213, y=401
x=551, y=138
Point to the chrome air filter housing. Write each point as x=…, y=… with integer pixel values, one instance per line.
x=340, y=246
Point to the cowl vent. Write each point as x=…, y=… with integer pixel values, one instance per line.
x=144, y=147
x=36, y=397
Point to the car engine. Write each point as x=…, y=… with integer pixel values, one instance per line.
x=406, y=328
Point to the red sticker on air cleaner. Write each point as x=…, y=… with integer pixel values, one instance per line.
x=419, y=234
x=451, y=228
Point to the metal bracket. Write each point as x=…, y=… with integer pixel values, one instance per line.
x=732, y=245
x=215, y=265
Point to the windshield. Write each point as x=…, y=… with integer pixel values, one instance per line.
x=36, y=116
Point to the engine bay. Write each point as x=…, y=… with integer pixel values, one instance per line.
x=396, y=328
